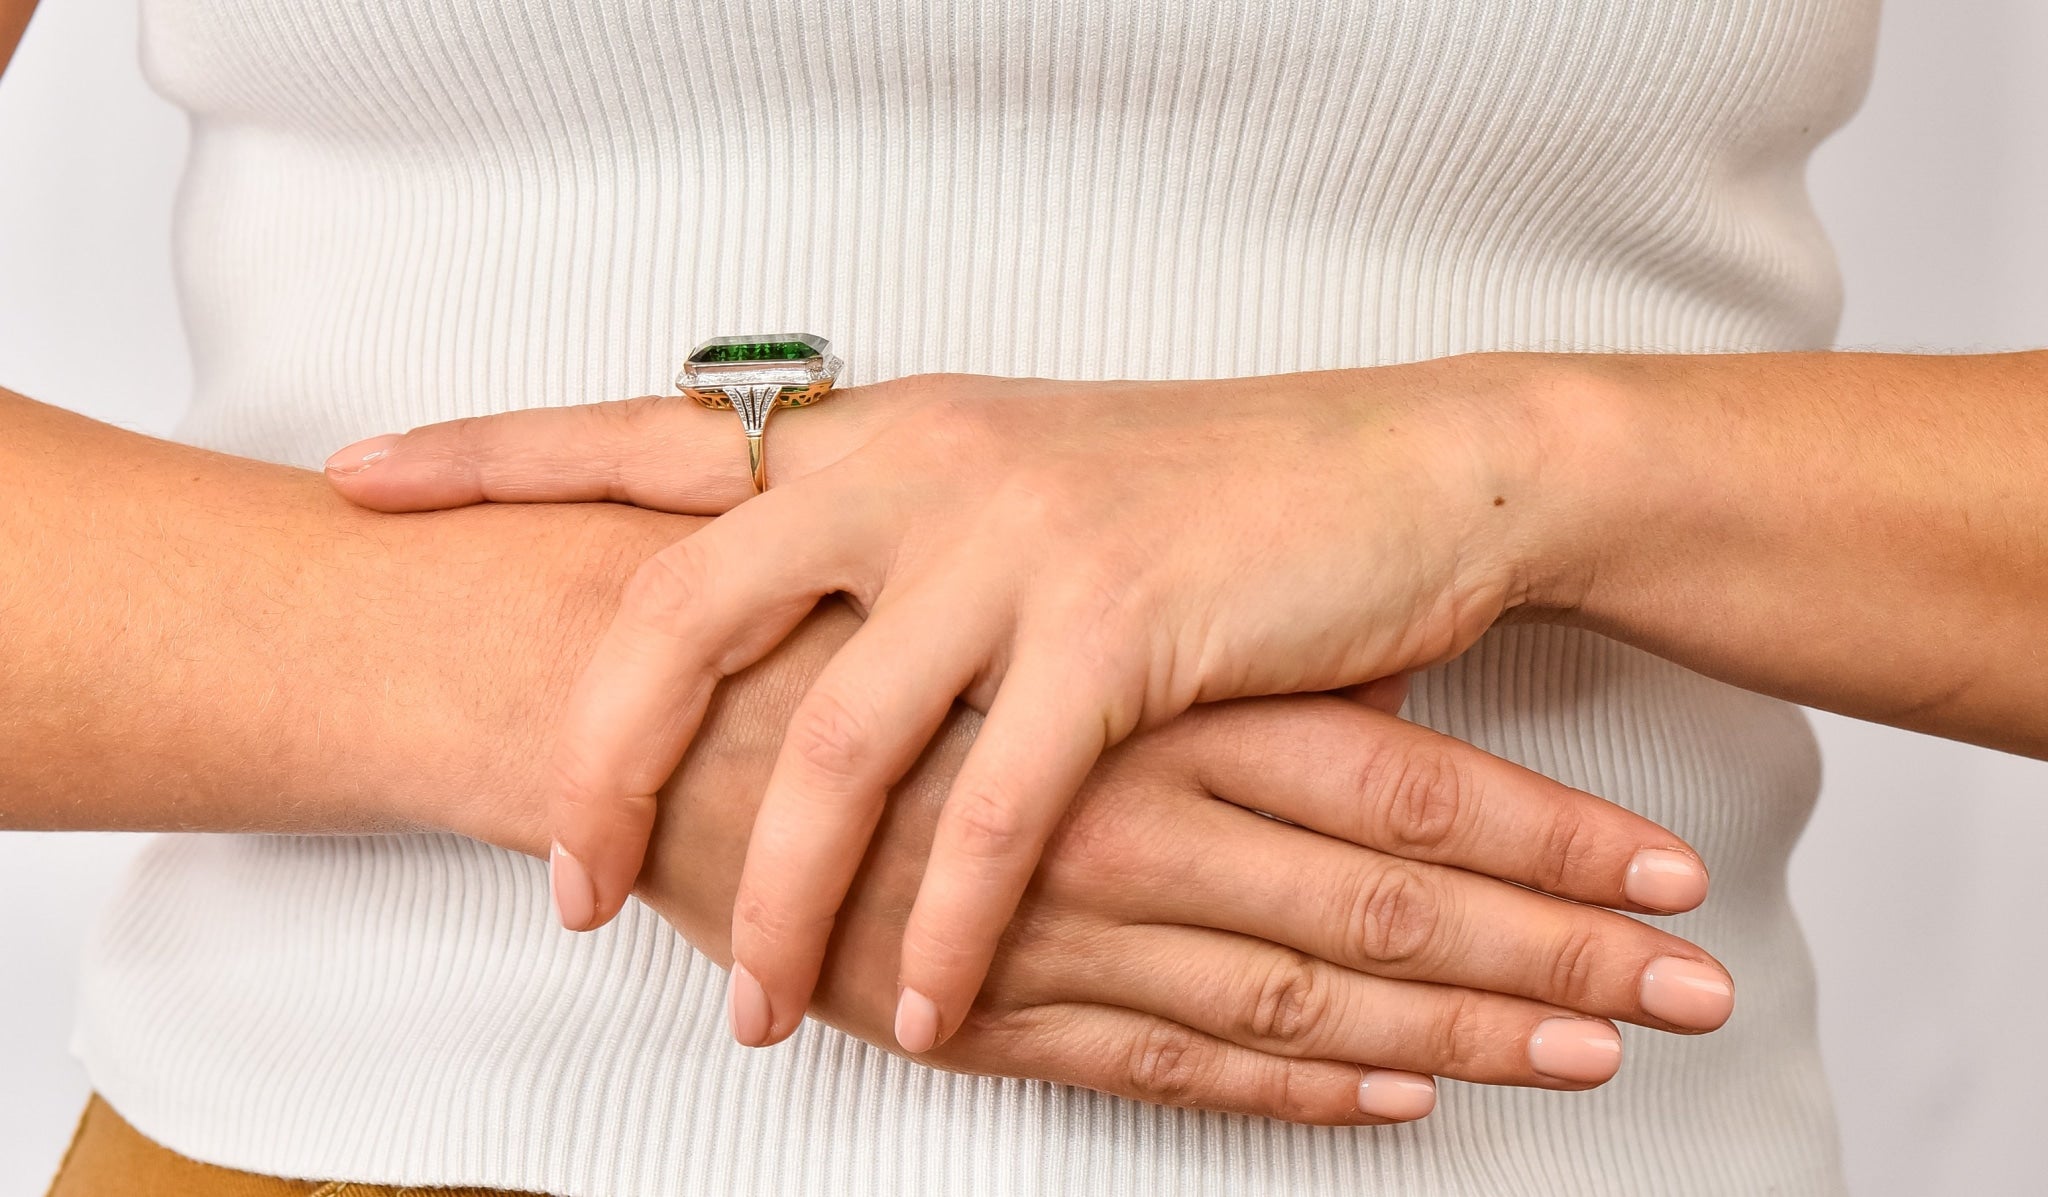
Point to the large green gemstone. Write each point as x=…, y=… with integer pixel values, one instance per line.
x=753, y=349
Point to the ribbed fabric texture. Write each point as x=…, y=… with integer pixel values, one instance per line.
x=400, y=211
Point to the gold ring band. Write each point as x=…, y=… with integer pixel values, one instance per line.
x=753, y=376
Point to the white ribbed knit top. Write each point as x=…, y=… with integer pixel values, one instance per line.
x=400, y=211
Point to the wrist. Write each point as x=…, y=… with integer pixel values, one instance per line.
x=1566, y=498
x=494, y=610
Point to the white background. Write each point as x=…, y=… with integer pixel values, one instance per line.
x=1922, y=882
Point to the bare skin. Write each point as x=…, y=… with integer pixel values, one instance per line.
x=1865, y=533
x=1152, y=883
x=1860, y=532
x=201, y=642
x=205, y=643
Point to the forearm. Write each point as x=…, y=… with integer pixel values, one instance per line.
x=196, y=641
x=1860, y=532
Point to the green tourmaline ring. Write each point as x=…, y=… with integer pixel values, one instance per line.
x=755, y=375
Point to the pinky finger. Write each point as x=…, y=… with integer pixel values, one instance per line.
x=1153, y=1060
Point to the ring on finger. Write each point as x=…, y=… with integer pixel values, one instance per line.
x=755, y=374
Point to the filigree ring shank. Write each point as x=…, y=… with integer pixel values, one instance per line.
x=754, y=375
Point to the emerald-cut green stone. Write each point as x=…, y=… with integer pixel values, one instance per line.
x=741, y=349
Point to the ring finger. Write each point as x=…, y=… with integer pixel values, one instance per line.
x=1283, y=1002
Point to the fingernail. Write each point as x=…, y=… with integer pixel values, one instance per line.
x=917, y=1022
x=575, y=895
x=746, y=1006
x=354, y=459
x=1579, y=1050
x=1401, y=1096
x=1687, y=993
x=1665, y=879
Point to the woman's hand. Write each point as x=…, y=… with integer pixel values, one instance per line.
x=1178, y=948
x=1080, y=560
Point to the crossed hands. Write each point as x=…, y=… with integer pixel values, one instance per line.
x=1087, y=563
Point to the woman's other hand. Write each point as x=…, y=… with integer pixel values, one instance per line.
x=1079, y=560
x=1177, y=947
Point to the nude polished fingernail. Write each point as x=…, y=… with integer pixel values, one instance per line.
x=354, y=459
x=1687, y=993
x=575, y=894
x=917, y=1022
x=1580, y=1050
x=1401, y=1096
x=746, y=1007
x=1665, y=879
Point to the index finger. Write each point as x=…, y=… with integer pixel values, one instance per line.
x=662, y=452
x=1380, y=781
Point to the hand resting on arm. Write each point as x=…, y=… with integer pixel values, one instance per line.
x=204, y=643
x=1086, y=559
x=1176, y=947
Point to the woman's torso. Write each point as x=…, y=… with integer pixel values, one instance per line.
x=398, y=212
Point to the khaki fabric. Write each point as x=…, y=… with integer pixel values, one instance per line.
x=109, y=1158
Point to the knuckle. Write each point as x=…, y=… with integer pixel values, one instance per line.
x=1095, y=618
x=627, y=434
x=1421, y=791
x=1452, y=1033
x=468, y=438
x=949, y=402
x=986, y=825
x=572, y=786
x=1574, y=968
x=951, y=426
x=1165, y=1065
x=1289, y=1099
x=1394, y=915
x=1290, y=1003
x=665, y=588
x=770, y=930
x=1568, y=845
x=1276, y=1088
x=946, y=952
x=576, y=786
x=1027, y=502
x=635, y=418
x=829, y=737
x=938, y=387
